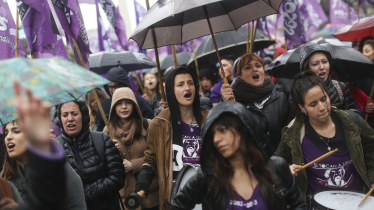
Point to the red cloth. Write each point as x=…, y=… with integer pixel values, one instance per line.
x=360, y=97
x=274, y=79
x=280, y=51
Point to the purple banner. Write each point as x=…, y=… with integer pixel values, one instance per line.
x=100, y=29
x=120, y=30
x=312, y=16
x=140, y=11
x=341, y=12
x=293, y=28
x=371, y=2
x=8, y=34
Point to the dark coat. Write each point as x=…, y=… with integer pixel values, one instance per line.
x=275, y=114
x=102, y=179
x=196, y=187
x=335, y=100
x=143, y=104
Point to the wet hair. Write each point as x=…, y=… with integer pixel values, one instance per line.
x=246, y=59
x=306, y=62
x=220, y=181
x=9, y=165
x=230, y=58
x=371, y=43
x=93, y=112
x=302, y=83
x=363, y=42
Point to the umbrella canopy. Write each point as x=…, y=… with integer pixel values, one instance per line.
x=182, y=59
x=182, y=20
x=102, y=62
x=349, y=63
x=357, y=31
x=331, y=40
x=228, y=43
x=53, y=80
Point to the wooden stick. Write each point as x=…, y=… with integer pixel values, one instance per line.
x=95, y=94
x=174, y=56
x=369, y=100
x=17, y=17
x=33, y=55
x=197, y=65
x=252, y=30
x=286, y=45
x=225, y=81
x=316, y=160
x=254, y=35
x=138, y=80
x=366, y=196
x=157, y=61
x=248, y=38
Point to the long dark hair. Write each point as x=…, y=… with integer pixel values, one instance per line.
x=219, y=182
x=302, y=83
x=9, y=165
x=174, y=105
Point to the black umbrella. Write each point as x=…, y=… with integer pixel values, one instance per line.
x=102, y=62
x=228, y=43
x=182, y=59
x=180, y=21
x=348, y=63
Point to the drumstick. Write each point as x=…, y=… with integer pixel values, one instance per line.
x=366, y=196
x=316, y=160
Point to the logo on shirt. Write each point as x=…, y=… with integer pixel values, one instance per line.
x=335, y=174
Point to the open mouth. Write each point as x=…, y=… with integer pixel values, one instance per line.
x=11, y=146
x=188, y=95
x=322, y=74
x=151, y=83
x=71, y=126
x=256, y=77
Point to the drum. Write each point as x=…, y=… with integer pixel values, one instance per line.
x=341, y=200
x=184, y=175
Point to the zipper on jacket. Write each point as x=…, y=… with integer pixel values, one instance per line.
x=78, y=158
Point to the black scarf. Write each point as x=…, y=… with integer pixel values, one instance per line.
x=245, y=92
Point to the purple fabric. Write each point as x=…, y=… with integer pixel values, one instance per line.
x=8, y=34
x=55, y=49
x=99, y=28
x=371, y=2
x=334, y=172
x=191, y=143
x=57, y=152
x=359, y=110
x=216, y=96
x=120, y=30
x=312, y=16
x=256, y=202
x=293, y=28
x=140, y=11
x=56, y=130
x=341, y=13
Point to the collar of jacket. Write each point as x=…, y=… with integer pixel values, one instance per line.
x=272, y=97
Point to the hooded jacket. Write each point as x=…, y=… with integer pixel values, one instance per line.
x=360, y=142
x=101, y=178
x=196, y=187
x=341, y=100
x=134, y=152
x=118, y=74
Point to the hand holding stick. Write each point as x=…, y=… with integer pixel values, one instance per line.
x=367, y=195
x=316, y=160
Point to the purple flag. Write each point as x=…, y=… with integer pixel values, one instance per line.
x=112, y=39
x=100, y=29
x=293, y=29
x=8, y=34
x=371, y=2
x=55, y=49
x=140, y=11
x=312, y=16
x=341, y=12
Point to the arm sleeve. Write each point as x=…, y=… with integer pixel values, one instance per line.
x=293, y=198
x=284, y=151
x=136, y=165
x=16, y=196
x=348, y=99
x=215, y=96
x=191, y=194
x=100, y=121
x=115, y=176
x=367, y=141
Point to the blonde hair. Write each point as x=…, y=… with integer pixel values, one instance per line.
x=92, y=112
x=247, y=58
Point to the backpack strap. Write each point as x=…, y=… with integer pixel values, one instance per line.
x=355, y=117
x=339, y=89
x=98, y=140
x=5, y=190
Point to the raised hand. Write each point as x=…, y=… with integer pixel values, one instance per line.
x=34, y=119
x=226, y=92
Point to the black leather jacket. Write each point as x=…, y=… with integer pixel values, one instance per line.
x=193, y=191
x=102, y=179
x=332, y=91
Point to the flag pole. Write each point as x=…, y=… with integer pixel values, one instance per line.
x=17, y=17
x=157, y=60
x=197, y=65
x=254, y=29
x=174, y=56
x=248, y=37
x=58, y=24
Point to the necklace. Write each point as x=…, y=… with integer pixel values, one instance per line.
x=328, y=140
x=189, y=125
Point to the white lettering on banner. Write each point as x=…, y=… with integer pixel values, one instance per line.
x=12, y=31
x=3, y=23
x=289, y=21
x=340, y=13
x=313, y=15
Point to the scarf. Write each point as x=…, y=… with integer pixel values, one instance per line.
x=245, y=92
x=127, y=131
